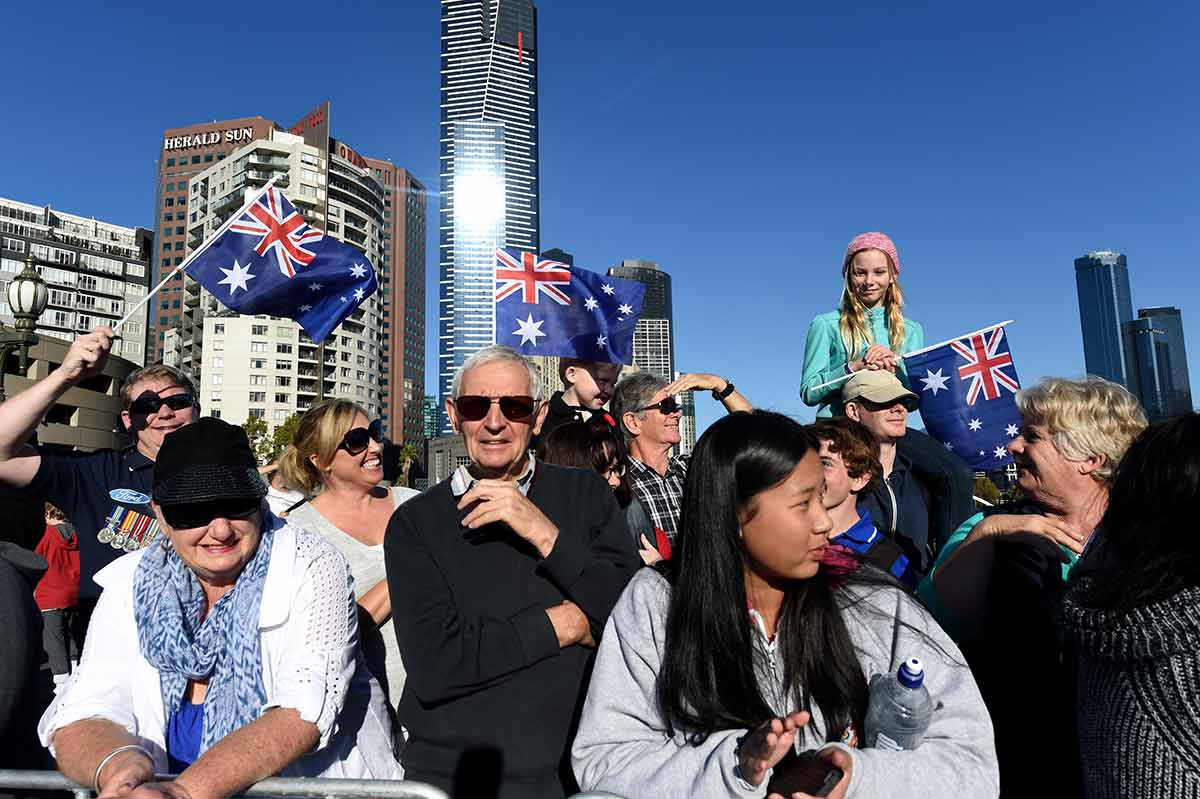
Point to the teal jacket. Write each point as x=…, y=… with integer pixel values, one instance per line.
x=825, y=356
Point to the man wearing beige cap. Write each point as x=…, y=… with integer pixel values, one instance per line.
x=900, y=502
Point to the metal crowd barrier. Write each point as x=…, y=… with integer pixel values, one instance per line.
x=284, y=787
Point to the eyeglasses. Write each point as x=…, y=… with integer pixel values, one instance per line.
x=149, y=403
x=359, y=438
x=472, y=408
x=666, y=406
x=193, y=515
x=910, y=403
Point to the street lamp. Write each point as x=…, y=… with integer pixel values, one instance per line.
x=27, y=297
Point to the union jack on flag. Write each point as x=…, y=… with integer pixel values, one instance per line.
x=525, y=272
x=985, y=365
x=267, y=260
x=280, y=231
x=968, y=392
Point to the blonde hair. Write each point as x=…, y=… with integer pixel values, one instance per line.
x=1085, y=418
x=319, y=433
x=852, y=323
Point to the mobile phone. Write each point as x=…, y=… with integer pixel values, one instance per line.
x=805, y=772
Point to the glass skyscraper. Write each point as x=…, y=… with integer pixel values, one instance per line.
x=489, y=165
x=653, y=338
x=1162, y=374
x=1105, y=309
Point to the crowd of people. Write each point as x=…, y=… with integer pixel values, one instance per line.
x=576, y=607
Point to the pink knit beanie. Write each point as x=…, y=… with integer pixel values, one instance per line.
x=871, y=241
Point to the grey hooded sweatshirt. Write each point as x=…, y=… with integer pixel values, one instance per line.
x=623, y=745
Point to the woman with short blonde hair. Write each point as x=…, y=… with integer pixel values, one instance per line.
x=336, y=461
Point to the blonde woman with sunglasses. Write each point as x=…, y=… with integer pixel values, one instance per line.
x=336, y=461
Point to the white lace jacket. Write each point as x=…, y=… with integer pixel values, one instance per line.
x=309, y=635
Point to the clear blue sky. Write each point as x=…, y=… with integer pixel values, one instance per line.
x=741, y=146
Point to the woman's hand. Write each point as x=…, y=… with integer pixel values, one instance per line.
x=649, y=554
x=124, y=773
x=766, y=745
x=835, y=757
x=1005, y=525
x=876, y=357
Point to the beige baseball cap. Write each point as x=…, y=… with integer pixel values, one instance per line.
x=878, y=385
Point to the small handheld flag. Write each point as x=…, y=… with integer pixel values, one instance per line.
x=268, y=260
x=544, y=307
x=968, y=390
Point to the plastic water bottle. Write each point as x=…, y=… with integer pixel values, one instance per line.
x=900, y=709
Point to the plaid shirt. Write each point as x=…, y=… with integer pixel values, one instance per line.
x=661, y=496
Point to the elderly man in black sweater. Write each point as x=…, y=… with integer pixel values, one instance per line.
x=501, y=579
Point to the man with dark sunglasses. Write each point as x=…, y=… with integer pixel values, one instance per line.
x=501, y=580
x=645, y=406
x=898, y=503
x=105, y=493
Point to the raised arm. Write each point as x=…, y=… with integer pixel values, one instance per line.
x=20, y=415
x=733, y=401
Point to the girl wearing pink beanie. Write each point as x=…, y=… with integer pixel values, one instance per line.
x=869, y=331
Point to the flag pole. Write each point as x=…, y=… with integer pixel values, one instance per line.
x=845, y=377
x=192, y=256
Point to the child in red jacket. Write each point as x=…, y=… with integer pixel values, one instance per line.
x=57, y=594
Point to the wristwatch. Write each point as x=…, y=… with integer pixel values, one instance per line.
x=723, y=393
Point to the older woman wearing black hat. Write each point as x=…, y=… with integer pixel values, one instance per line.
x=225, y=652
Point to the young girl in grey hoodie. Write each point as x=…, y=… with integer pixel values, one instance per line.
x=761, y=640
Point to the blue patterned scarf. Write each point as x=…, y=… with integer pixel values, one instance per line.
x=224, y=647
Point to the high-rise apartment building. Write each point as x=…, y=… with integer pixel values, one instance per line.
x=97, y=271
x=185, y=152
x=1105, y=306
x=653, y=338
x=1163, y=384
x=489, y=164
x=687, y=422
x=264, y=366
x=367, y=202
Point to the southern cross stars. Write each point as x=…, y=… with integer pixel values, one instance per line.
x=590, y=304
x=1012, y=430
x=625, y=310
x=975, y=424
x=305, y=308
x=607, y=289
x=358, y=270
x=315, y=287
x=358, y=294
x=236, y=278
x=934, y=381
x=601, y=342
x=529, y=330
x=1001, y=452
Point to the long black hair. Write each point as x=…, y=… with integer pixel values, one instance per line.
x=594, y=444
x=1148, y=549
x=707, y=681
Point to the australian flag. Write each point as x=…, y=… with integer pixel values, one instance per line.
x=968, y=390
x=545, y=307
x=268, y=260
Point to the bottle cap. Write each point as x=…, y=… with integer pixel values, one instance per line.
x=911, y=673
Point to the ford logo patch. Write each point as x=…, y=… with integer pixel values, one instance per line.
x=127, y=496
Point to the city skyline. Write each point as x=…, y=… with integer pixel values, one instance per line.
x=962, y=136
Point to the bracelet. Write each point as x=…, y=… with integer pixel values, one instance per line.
x=723, y=393
x=114, y=753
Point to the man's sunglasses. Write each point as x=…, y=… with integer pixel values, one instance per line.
x=149, y=403
x=666, y=406
x=910, y=404
x=193, y=515
x=359, y=438
x=472, y=408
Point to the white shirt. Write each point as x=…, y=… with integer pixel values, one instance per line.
x=309, y=641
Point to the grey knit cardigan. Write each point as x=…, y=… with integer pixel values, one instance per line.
x=1139, y=696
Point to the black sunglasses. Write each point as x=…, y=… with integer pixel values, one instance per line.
x=910, y=404
x=149, y=403
x=666, y=406
x=472, y=408
x=193, y=515
x=359, y=438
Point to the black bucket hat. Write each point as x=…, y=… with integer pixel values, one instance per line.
x=205, y=461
